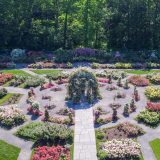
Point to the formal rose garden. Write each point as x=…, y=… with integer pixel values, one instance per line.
x=79, y=80
x=42, y=108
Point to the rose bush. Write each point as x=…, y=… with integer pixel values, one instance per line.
x=152, y=93
x=138, y=81
x=51, y=153
x=46, y=132
x=149, y=118
x=103, y=80
x=34, y=82
x=122, y=149
x=5, y=77
x=153, y=106
x=11, y=116
x=130, y=129
x=155, y=78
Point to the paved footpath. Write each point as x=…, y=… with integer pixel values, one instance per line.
x=84, y=140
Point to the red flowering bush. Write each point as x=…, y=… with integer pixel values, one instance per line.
x=139, y=81
x=51, y=153
x=5, y=77
x=103, y=80
x=153, y=106
x=46, y=86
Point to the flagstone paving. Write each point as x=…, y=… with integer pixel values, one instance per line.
x=84, y=138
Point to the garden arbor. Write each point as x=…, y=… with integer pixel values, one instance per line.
x=83, y=85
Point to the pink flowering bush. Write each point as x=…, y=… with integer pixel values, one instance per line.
x=11, y=116
x=122, y=149
x=5, y=77
x=51, y=153
x=34, y=109
x=103, y=80
x=139, y=81
x=130, y=129
x=153, y=106
x=47, y=86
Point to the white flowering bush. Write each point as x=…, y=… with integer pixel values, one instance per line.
x=34, y=82
x=122, y=149
x=11, y=116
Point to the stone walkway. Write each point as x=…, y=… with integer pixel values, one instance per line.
x=84, y=139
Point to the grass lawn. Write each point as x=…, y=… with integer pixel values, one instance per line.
x=49, y=71
x=141, y=71
x=16, y=72
x=7, y=84
x=5, y=98
x=8, y=96
x=155, y=144
x=8, y=152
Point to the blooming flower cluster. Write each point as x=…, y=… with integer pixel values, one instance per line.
x=51, y=153
x=11, y=116
x=5, y=77
x=139, y=81
x=122, y=149
x=155, y=78
x=149, y=118
x=153, y=106
x=152, y=93
x=103, y=80
x=130, y=130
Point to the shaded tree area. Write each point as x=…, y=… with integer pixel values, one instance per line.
x=105, y=24
x=133, y=24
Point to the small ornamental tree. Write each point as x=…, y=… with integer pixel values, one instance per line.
x=109, y=79
x=126, y=110
x=133, y=106
x=126, y=85
x=136, y=95
x=119, y=82
x=114, y=115
x=83, y=84
x=46, y=115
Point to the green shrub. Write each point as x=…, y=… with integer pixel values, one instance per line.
x=34, y=82
x=95, y=65
x=102, y=155
x=123, y=65
x=3, y=92
x=40, y=131
x=149, y=118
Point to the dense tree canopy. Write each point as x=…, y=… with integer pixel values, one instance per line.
x=52, y=24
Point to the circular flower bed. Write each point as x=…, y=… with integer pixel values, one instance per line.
x=138, y=81
x=10, y=116
x=152, y=93
x=122, y=149
x=56, y=153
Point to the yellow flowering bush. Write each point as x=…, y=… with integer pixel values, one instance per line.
x=153, y=93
